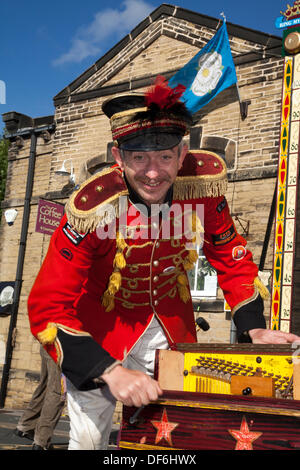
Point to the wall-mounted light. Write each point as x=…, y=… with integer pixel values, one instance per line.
x=64, y=172
x=10, y=216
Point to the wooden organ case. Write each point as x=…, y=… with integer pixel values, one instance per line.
x=220, y=397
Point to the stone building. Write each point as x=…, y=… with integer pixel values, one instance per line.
x=245, y=134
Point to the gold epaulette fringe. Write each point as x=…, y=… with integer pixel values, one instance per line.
x=105, y=208
x=265, y=294
x=205, y=175
x=88, y=221
x=48, y=335
x=194, y=187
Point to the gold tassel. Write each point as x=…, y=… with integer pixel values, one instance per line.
x=187, y=265
x=196, y=229
x=108, y=301
x=115, y=279
x=48, y=335
x=261, y=288
x=190, y=260
x=182, y=285
x=182, y=280
x=184, y=293
x=113, y=287
x=114, y=282
x=121, y=244
x=193, y=256
x=119, y=261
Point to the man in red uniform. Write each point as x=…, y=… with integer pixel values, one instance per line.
x=113, y=287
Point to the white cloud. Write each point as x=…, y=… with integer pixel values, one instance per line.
x=108, y=23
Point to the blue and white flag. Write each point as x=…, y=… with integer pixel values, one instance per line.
x=207, y=73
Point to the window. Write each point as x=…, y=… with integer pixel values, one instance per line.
x=203, y=278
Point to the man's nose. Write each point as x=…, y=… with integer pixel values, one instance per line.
x=152, y=169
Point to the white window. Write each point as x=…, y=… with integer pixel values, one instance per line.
x=203, y=278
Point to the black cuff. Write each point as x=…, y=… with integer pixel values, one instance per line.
x=83, y=360
x=249, y=317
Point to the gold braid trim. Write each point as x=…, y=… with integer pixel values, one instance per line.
x=128, y=112
x=132, y=247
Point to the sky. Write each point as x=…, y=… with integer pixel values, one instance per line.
x=44, y=46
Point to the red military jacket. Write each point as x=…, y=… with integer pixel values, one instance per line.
x=110, y=267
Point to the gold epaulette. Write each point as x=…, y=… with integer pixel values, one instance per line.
x=93, y=203
x=203, y=174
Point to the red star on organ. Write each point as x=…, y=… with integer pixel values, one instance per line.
x=244, y=437
x=164, y=428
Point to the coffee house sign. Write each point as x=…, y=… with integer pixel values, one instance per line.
x=48, y=216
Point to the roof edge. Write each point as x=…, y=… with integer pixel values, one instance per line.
x=176, y=12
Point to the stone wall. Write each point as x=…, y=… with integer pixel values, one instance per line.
x=26, y=357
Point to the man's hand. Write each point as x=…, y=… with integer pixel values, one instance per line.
x=262, y=336
x=132, y=387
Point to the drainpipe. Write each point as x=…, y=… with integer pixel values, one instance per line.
x=232, y=333
x=19, y=271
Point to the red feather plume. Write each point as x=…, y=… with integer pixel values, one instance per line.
x=162, y=95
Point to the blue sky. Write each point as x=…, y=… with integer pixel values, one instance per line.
x=46, y=45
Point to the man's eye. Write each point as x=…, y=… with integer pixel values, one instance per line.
x=166, y=157
x=138, y=158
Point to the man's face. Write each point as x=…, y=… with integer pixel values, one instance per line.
x=151, y=174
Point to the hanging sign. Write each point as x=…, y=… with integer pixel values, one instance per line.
x=48, y=216
x=290, y=17
x=282, y=23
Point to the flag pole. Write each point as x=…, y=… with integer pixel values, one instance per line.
x=243, y=104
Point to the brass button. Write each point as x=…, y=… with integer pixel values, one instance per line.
x=200, y=163
x=155, y=292
x=216, y=164
x=155, y=279
x=99, y=188
x=83, y=199
x=155, y=302
x=155, y=263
